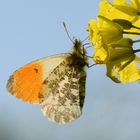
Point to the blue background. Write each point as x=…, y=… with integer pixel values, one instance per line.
x=31, y=29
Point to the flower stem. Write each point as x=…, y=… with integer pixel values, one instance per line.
x=134, y=33
x=135, y=51
x=135, y=41
x=135, y=27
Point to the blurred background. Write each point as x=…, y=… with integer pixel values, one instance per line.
x=31, y=29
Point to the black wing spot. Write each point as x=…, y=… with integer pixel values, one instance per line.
x=36, y=70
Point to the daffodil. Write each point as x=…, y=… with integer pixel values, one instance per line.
x=101, y=34
x=109, y=30
x=120, y=9
x=100, y=51
x=113, y=50
x=121, y=54
x=130, y=73
x=111, y=10
x=93, y=31
x=132, y=9
x=104, y=28
x=122, y=65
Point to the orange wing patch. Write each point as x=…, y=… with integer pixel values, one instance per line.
x=25, y=83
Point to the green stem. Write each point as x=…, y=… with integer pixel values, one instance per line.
x=135, y=27
x=135, y=41
x=135, y=51
x=134, y=33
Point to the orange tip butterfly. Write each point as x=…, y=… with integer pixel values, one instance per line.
x=56, y=83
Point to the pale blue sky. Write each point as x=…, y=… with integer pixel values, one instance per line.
x=31, y=29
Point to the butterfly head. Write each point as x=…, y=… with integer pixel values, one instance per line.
x=79, y=53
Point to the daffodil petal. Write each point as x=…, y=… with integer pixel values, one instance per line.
x=100, y=53
x=130, y=73
x=109, y=30
x=136, y=4
x=110, y=73
x=127, y=62
x=119, y=2
x=93, y=31
x=127, y=9
x=121, y=50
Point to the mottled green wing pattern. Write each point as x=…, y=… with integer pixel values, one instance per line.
x=62, y=94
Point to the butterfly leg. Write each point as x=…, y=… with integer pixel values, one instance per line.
x=89, y=66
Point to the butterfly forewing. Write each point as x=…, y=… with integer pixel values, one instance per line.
x=25, y=83
x=63, y=91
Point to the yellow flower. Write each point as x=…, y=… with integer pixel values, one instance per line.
x=93, y=31
x=109, y=30
x=112, y=11
x=100, y=51
x=121, y=55
x=120, y=9
x=106, y=29
x=119, y=49
x=130, y=73
x=132, y=9
x=111, y=48
x=101, y=34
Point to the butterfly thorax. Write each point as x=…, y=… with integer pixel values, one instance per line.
x=79, y=57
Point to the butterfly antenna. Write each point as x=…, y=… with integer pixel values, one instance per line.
x=67, y=32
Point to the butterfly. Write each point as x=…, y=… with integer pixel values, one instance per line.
x=56, y=83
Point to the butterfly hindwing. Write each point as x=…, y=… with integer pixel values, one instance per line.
x=63, y=91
